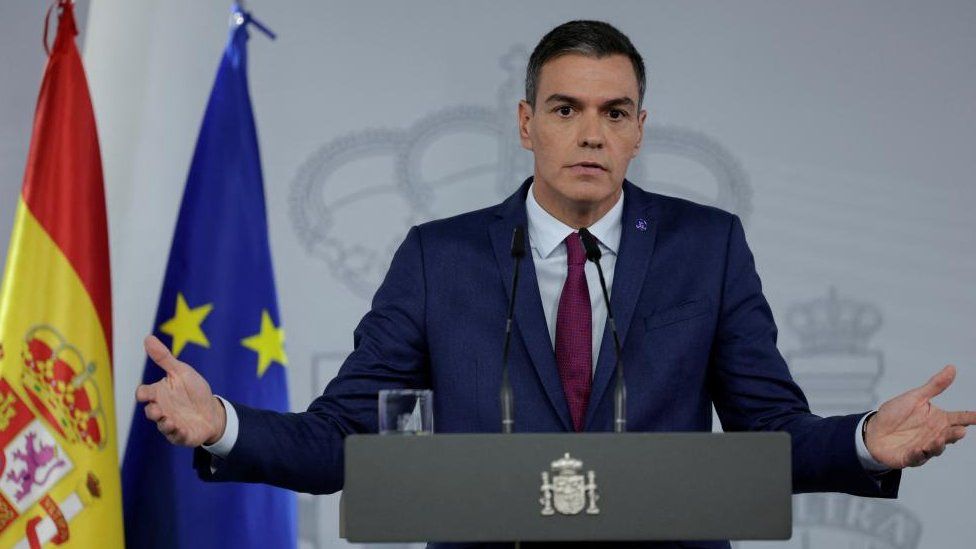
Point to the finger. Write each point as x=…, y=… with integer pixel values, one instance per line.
x=145, y=393
x=161, y=355
x=177, y=437
x=939, y=382
x=935, y=450
x=962, y=418
x=916, y=458
x=955, y=434
x=153, y=413
x=166, y=426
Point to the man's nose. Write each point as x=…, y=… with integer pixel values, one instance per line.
x=590, y=132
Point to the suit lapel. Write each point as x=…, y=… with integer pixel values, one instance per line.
x=530, y=320
x=636, y=245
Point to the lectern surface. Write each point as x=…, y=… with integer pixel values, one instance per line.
x=567, y=487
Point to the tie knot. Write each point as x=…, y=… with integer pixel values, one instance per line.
x=574, y=248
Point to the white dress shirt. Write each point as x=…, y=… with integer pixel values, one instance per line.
x=549, y=255
x=546, y=235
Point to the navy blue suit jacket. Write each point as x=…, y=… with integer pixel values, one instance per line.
x=695, y=331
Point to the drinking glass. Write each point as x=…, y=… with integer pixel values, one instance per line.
x=406, y=412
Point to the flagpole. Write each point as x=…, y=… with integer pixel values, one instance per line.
x=240, y=16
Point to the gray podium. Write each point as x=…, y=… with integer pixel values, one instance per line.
x=566, y=487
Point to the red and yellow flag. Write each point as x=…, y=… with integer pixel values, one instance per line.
x=59, y=474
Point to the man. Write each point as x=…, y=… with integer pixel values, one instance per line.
x=695, y=328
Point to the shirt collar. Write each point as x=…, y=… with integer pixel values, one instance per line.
x=546, y=232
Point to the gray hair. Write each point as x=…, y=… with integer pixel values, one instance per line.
x=590, y=38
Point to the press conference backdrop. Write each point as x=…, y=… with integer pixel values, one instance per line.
x=841, y=133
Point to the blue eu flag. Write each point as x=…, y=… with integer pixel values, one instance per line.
x=218, y=312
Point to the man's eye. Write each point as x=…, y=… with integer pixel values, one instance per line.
x=616, y=114
x=565, y=110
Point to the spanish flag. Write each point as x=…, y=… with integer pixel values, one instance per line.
x=59, y=474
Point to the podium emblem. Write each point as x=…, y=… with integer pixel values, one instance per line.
x=567, y=491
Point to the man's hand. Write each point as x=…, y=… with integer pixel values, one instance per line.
x=181, y=404
x=908, y=430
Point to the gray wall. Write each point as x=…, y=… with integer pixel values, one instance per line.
x=841, y=132
x=22, y=60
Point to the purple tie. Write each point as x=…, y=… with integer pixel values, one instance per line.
x=574, y=333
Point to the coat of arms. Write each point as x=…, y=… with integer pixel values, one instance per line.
x=568, y=492
x=62, y=410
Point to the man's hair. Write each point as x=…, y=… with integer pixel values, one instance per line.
x=590, y=38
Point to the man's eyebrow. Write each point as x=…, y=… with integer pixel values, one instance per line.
x=560, y=98
x=618, y=102
x=615, y=102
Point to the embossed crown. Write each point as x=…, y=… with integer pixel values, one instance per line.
x=567, y=465
x=832, y=324
x=60, y=383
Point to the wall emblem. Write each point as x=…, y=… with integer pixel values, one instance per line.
x=567, y=491
x=835, y=364
x=462, y=158
x=838, y=370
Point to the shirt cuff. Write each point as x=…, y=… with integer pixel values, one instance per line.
x=225, y=443
x=868, y=462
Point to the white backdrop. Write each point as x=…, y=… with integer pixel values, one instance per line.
x=843, y=134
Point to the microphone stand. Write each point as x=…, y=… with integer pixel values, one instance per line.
x=505, y=394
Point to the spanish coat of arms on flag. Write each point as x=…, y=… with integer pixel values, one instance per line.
x=59, y=474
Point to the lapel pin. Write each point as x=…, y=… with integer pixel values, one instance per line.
x=641, y=225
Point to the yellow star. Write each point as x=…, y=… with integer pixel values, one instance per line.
x=269, y=344
x=184, y=327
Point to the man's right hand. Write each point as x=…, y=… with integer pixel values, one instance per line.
x=181, y=404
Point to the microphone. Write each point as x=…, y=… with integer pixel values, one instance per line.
x=620, y=389
x=505, y=394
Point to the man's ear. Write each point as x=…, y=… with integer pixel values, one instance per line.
x=525, y=113
x=641, y=119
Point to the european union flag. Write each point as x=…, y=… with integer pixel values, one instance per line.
x=218, y=311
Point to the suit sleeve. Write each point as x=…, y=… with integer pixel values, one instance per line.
x=304, y=451
x=753, y=390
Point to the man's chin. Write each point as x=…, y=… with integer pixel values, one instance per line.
x=579, y=190
x=586, y=194
x=590, y=187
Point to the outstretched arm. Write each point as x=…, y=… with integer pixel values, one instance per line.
x=753, y=390
x=304, y=451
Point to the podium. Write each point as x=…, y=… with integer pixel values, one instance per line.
x=566, y=487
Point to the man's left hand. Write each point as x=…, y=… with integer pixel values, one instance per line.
x=908, y=430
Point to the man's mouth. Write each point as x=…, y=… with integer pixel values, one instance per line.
x=588, y=167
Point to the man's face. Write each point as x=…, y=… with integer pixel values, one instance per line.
x=583, y=131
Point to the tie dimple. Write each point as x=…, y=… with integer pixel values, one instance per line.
x=574, y=246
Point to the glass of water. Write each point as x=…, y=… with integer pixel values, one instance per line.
x=406, y=412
